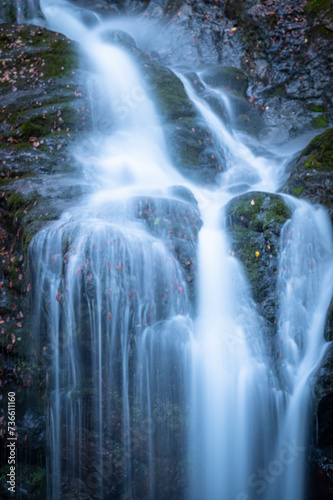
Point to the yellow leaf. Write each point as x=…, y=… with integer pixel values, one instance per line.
x=257, y=254
x=234, y=29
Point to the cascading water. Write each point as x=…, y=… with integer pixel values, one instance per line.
x=305, y=289
x=99, y=284
x=140, y=394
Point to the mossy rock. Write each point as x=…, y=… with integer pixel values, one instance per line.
x=258, y=211
x=170, y=96
x=319, y=152
x=254, y=222
x=55, y=55
x=233, y=79
x=312, y=172
x=275, y=91
x=118, y=37
x=320, y=122
x=318, y=6
x=191, y=145
x=317, y=108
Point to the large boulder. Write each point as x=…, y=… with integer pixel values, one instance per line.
x=254, y=221
x=311, y=176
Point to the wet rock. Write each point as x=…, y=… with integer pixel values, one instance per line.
x=227, y=77
x=254, y=221
x=43, y=109
x=321, y=459
x=177, y=223
x=117, y=37
x=328, y=332
x=312, y=172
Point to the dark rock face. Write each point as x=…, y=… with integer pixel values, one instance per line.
x=312, y=173
x=321, y=478
x=254, y=221
x=43, y=108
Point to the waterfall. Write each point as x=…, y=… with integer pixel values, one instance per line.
x=113, y=301
x=144, y=388
x=305, y=289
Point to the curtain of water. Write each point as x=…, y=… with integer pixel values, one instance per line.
x=112, y=301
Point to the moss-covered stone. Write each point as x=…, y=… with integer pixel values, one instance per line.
x=276, y=91
x=228, y=77
x=312, y=172
x=254, y=221
x=258, y=211
x=320, y=122
x=191, y=145
x=317, y=108
x=170, y=96
x=319, y=152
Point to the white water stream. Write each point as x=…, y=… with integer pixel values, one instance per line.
x=247, y=431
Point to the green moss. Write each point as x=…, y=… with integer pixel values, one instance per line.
x=15, y=202
x=60, y=59
x=22, y=145
x=277, y=91
x=320, y=152
x=317, y=6
x=317, y=108
x=169, y=92
x=12, y=276
x=228, y=77
x=245, y=241
x=258, y=211
x=58, y=55
x=277, y=212
x=298, y=191
x=4, y=181
x=320, y=122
